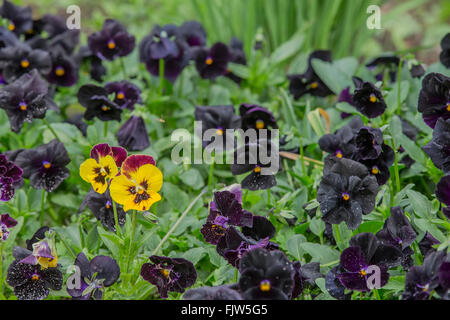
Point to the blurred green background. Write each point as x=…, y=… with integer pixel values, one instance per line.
x=339, y=25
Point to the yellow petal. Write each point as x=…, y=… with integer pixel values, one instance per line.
x=87, y=170
x=152, y=175
x=119, y=189
x=109, y=163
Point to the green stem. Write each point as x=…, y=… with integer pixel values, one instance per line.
x=337, y=234
x=396, y=172
x=105, y=129
x=161, y=76
x=66, y=246
x=236, y=272
x=178, y=222
x=41, y=218
x=268, y=197
x=211, y=171
x=51, y=129
x=116, y=218
x=122, y=66
x=399, y=86
x=133, y=230
x=329, y=264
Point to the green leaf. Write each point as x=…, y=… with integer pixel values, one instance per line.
x=333, y=77
x=194, y=255
x=288, y=49
x=176, y=197
x=293, y=246
x=316, y=122
x=420, y=204
x=320, y=253
x=193, y=179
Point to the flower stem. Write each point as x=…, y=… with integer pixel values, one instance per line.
x=41, y=217
x=396, y=172
x=211, y=171
x=161, y=76
x=336, y=233
x=133, y=230
x=116, y=218
x=122, y=66
x=399, y=86
x=268, y=197
x=105, y=129
x=178, y=222
x=51, y=129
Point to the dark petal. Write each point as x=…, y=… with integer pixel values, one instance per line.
x=32, y=290
x=354, y=218
x=443, y=190
x=37, y=236
x=8, y=221
x=106, y=268
x=298, y=281
x=20, y=253
x=444, y=275
x=433, y=98
x=151, y=274
x=387, y=255
x=334, y=285
x=258, y=181
x=353, y=281
x=83, y=263
x=353, y=259
x=133, y=135
x=425, y=245
x=52, y=277
x=367, y=242
x=262, y=228
x=19, y=273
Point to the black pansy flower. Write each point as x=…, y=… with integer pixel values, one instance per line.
x=439, y=147
x=193, y=33
x=379, y=167
x=248, y=159
x=260, y=228
x=398, y=232
x=31, y=282
x=368, y=99
x=256, y=117
x=97, y=103
x=309, y=82
x=334, y=285
x=96, y=68
x=20, y=20
x=366, y=250
x=368, y=143
x=226, y=211
x=266, y=275
x=20, y=59
x=234, y=244
x=427, y=243
x=346, y=192
x=133, y=134
x=445, y=53
x=417, y=70
x=112, y=41
x=341, y=144
x=126, y=94
x=218, y=118
x=224, y=292
x=213, y=62
x=443, y=194
x=422, y=280
x=102, y=208
x=6, y=223
x=434, y=98
x=305, y=275
x=64, y=70
x=237, y=56
x=384, y=63
x=25, y=99
x=45, y=165
x=10, y=175
x=97, y=274
x=169, y=274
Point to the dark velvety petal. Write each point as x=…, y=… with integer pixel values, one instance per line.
x=443, y=190
x=353, y=281
x=37, y=236
x=106, y=268
x=334, y=285
x=426, y=244
x=353, y=259
x=444, y=275
x=367, y=242
x=212, y=293
x=135, y=161
x=433, y=98
x=31, y=290
x=262, y=228
x=133, y=135
x=52, y=277
x=258, y=181
x=387, y=255
x=83, y=263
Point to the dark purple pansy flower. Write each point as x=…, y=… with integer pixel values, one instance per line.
x=133, y=134
x=224, y=292
x=342, y=143
x=193, y=33
x=10, y=176
x=439, y=147
x=445, y=53
x=99, y=273
x=95, y=100
x=31, y=282
x=368, y=99
x=368, y=143
x=365, y=251
x=102, y=150
x=266, y=275
x=346, y=192
x=96, y=70
x=45, y=165
x=379, y=167
x=259, y=229
x=25, y=99
x=237, y=56
x=226, y=211
x=168, y=44
x=427, y=243
x=169, y=274
x=248, y=158
x=256, y=117
x=126, y=94
x=64, y=70
x=20, y=20
x=38, y=236
x=334, y=285
x=434, y=98
x=6, y=223
x=422, y=280
x=346, y=96
x=309, y=82
x=382, y=64
x=102, y=208
x=218, y=118
x=305, y=275
x=20, y=59
x=234, y=244
x=398, y=232
x=213, y=62
x=417, y=70
x=443, y=194
x=112, y=41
